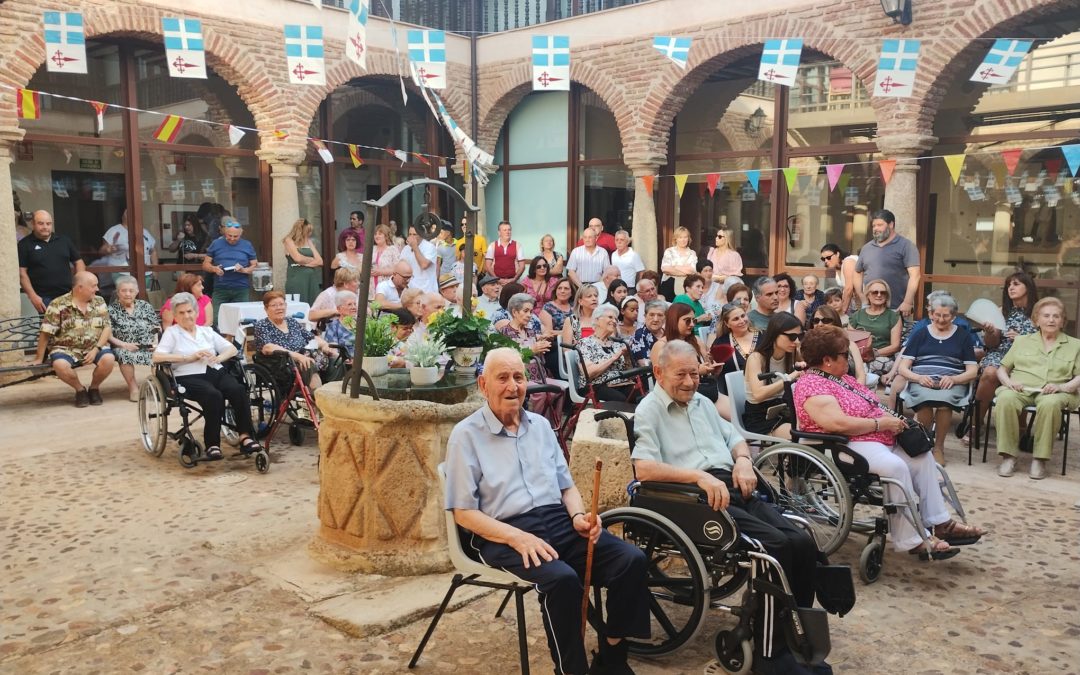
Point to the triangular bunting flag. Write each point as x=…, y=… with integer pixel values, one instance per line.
x=235, y=135
x=1012, y=158
x=791, y=174
x=754, y=177
x=169, y=129
x=1053, y=166
x=887, y=167
x=648, y=182
x=354, y=155
x=711, y=180
x=842, y=183
x=1072, y=156
x=735, y=187
x=28, y=104
x=324, y=152
x=399, y=155
x=680, y=182
x=420, y=158
x=833, y=171
x=955, y=164
x=99, y=115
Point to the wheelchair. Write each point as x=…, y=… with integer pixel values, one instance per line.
x=818, y=477
x=160, y=394
x=280, y=395
x=697, y=559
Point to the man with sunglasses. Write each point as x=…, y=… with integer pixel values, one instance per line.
x=893, y=259
x=388, y=292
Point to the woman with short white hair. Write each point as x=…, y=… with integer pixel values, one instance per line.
x=134, y=331
x=606, y=358
x=342, y=330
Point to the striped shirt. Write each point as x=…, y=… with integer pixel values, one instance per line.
x=589, y=267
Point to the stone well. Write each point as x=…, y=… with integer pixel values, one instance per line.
x=605, y=441
x=380, y=506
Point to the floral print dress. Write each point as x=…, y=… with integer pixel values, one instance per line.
x=1016, y=321
x=139, y=326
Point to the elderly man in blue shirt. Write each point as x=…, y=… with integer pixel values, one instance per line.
x=507, y=482
x=681, y=438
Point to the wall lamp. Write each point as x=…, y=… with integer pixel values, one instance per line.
x=897, y=10
x=754, y=123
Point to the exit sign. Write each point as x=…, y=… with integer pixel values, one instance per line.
x=90, y=164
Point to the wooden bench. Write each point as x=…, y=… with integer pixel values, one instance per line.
x=18, y=347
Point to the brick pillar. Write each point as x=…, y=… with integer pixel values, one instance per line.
x=645, y=216
x=10, y=297
x=900, y=195
x=285, y=205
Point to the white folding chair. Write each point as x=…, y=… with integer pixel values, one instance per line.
x=736, y=387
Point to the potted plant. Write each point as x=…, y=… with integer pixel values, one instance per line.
x=423, y=353
x=378, y=341
x=464, y=336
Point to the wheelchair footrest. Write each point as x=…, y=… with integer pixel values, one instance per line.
x=835, y=588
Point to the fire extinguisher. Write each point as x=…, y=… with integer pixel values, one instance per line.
x=794, y=230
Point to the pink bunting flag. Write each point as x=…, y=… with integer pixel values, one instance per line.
x=887, y=167
x=1012, y=158
x=834, y=171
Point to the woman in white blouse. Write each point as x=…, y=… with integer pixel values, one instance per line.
x=678, y=261
x=196, y=354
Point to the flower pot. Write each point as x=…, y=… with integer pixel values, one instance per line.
x=466, y=357
x=376, y=365
x=424, y=376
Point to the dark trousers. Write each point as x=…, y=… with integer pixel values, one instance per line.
x=606, y=393
x=210, y=390
x=617, y=566
x=792, y=546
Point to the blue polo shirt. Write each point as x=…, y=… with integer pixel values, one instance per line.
x=500, y=473
x=223, y=253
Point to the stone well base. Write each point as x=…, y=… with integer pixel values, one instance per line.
x=380, y=506
x=607, y=442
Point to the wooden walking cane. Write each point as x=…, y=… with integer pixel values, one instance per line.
x=588, y=555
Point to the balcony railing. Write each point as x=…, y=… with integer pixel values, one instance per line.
x=495, y=15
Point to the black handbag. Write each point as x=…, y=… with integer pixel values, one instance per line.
x=915, y=439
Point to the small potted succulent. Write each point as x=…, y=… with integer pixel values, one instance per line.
x=378, y=341
x=423, y=353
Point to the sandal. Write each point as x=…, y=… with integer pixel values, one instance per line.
x=213, y=453
x=249, y=446
x=958, y=534
x=939, y=550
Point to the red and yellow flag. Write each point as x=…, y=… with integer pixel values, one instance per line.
x=99, y=113
x=28, y=103
x=354, y=155
x=420, y=158
x=280, y=135
x=169, y=129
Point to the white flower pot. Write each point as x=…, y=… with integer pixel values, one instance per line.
x=424, y=376
x=376, y=365
x=466, y=357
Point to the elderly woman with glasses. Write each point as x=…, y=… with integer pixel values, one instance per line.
x=606, y=358
x=776, y=352
x=829, y=400
x=827, y=316
x=651, y=330
x=939, y=364
x=883, y=324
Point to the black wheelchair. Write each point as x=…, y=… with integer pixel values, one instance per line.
x=697, y=559
x=160, y=394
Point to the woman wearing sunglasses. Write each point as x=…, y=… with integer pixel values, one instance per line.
x=777, y=352
x=843, y=267
x=538, y=283
x=882, y=323
x=827, y=316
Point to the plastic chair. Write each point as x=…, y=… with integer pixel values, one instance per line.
x=471, y=572
x=1029, y=414
x=736, y=386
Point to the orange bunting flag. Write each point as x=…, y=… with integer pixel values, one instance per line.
x=28, y=103
x=680, y=182
x=887, y=167
x=1012, y=158
x=712, y=179
x=354, y=155
x=99, y=113
x=955, y=164
x=648, y=181
x=169, y=129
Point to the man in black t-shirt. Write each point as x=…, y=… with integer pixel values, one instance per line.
x=47, y=262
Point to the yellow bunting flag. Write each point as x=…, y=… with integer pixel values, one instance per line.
x=169, y=129
x=955, y=164
x=790, y=174
x=648, y=182
x=887, y=167
x=28, y=103
x=680, y=182
x=354, y=155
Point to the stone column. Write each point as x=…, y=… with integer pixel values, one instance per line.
x=900, y=195
x=9, y=256
x=285, y=207
x=645, y=216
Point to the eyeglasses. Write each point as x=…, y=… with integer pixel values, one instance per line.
x=875, y=292
x=820, y=319
x=842, y=355
x=794, y=337
x=406, y=277
x=827, y=258
x=719, y=236
x=541, y=267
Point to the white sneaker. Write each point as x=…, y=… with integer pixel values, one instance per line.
x=1038, y=469
x=1008, y=465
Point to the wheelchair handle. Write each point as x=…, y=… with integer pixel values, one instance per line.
x=542, y=389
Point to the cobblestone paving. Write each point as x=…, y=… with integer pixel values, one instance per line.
x=114, y=561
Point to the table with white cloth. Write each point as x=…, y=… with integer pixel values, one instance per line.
x=230, y=314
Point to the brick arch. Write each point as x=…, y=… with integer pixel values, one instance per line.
x=507, y=91
x=989, y=18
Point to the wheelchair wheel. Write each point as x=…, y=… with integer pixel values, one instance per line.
x=809, y=485
x=296, y=434
x=190, y=453
x=677, y=577
x=871, y=560
x=734, y=656
x=264, y=396
x=262, y=461
x=153, y=416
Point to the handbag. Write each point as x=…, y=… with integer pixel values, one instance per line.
x=864, y=341
x=915, y=439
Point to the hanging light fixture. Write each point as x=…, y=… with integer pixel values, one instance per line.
x=897, y=10
x=754, y=123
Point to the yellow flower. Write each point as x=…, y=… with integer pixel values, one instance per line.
x=480, y=314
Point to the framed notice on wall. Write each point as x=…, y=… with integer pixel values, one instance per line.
x=172, y=222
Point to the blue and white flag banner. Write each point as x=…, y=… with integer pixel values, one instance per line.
x=551, y=62
x=896, y=68
x=184, y=50
x=480, y=162
x=304, y=54
x=356, y=41
x=675, y=48
x=65, y=43
x=427, y=51
x=1001, y=61
x=780, y=61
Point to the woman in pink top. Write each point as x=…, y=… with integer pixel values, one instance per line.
x=383, y=257
x=726, y=261
x=824, y=405
x=190, y=283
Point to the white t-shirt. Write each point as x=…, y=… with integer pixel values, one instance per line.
x=426, y=280
x=117, y=236
x=388, y=290
x=629, y=265
x=176, y=340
